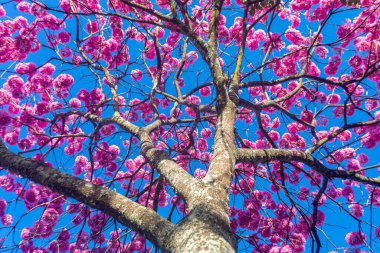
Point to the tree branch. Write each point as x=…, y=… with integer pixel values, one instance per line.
x=268, y=155
x=141, y=219
x=182, y=182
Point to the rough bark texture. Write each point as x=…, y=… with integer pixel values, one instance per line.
x=205, y=229
x=266, y=155
x=182, y=182
x=122, y=209
x=201, y=231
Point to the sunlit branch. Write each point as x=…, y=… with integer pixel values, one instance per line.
x=269, y=155
x=122, y=209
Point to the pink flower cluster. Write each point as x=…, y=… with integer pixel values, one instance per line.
x=6, y=219
x=5, y=118
x=271, y=231
x=106, y=154
x=355, y=238
x=292, y=141
x=43, y=228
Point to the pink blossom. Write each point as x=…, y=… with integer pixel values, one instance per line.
x=353, y=165
x=76, y=59
x=362, y=158
x=11, y=138
x=202, y=145
x=75, y=103
x=108, y=130
x=7, y=220
x=294, y=36
x=25, y=68
x=96, y=95
x=50, y=216
x=25, y=144
x=275, y=41
x=307, y=116
x=2, y=11
x=330, y=70
x=303, y=193
x=191, y=57
x=15, y=82
x=172, y=39
x=206, y=133
x=47, y=69
x=58, y=246
x=3, y=205
x=65, y=52
x=377, y=232
x=348, y=193
x=26, y=233
x=42, y=108
x=298, y=5
x=83, y=95
x=130, y=164
x=63, y=37
x=205, y=91
x=23, y=7
x=5, y=118
x=333, y=98
x=371, y=104
x=31, y=196
x=63, y=81
x=368, y=142
x=355, y=61
x=321, y=217
x=355, y=238
x=321, y=52
x=97, y=221
x=356, y=210
x=199, y=173
x=176, y=113
x=64, y=235
x=136, y=75
x=159, y=32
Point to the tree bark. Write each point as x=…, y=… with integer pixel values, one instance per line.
x=203, y=230
x=141, y=219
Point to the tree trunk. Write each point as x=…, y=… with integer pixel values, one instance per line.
x=203, y=230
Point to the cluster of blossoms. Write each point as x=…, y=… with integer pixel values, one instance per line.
x=19, y=37
x=5, y=118
x=271, y=231
x=371, y=135
x=41, y=85
x=106, y=154
x=6, y=219
x=54, y=205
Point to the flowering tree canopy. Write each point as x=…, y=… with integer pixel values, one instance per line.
x=189, y=126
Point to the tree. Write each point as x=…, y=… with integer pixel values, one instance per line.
x=210, y=126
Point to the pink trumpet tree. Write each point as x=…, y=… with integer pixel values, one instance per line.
x=189, y=126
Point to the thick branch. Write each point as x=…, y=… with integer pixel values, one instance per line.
x=141, y=219
x=268, y=155
x=222, y=166
x=182, y=182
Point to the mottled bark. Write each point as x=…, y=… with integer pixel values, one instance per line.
x=205, y=229
x=268, y=155
x=202, y=231
x=182, y=182
x=222, y=166
x=141, y=219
